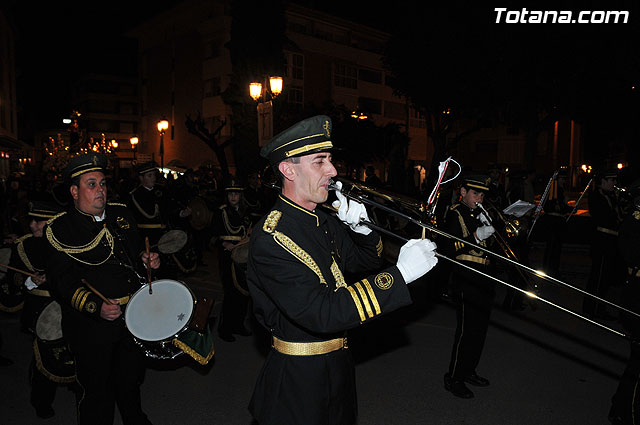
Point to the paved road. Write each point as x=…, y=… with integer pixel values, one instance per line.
x=545, y=366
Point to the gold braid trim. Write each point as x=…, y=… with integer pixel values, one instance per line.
x=357, y=302
x=156, y=212
x=271, y=221
x=290, y=246
x=118, y=204
x=70, y=249
x=231, y=229
x=293, y=248
x=45, y=372
x=372, y=296
x=194, y=354
x=337, y=275
x=465, y=233
x=379, y=248
x=23, y=255
x=365, y=299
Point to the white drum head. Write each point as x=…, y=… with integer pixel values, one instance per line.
x=172, y=242
x=49, y=323
x=162, y=314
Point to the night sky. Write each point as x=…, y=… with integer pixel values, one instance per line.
x=63, y=40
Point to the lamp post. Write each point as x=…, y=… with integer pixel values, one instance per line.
x=134, y=145
x=264, y=95
x=163, y=125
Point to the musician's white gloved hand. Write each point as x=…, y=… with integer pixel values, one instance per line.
x=483, y=219
x=416, y=258
x=483, y=232
x=351, y=212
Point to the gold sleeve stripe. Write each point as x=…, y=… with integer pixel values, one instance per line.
x=79, y=292
x=84, y=299
x=372, y=296
x=365, y=299
x=356, y=301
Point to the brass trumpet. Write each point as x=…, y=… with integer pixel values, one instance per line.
x=360, y=196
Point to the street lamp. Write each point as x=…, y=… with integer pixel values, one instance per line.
x=264, y=95
x=134, y=144
x=163, y=125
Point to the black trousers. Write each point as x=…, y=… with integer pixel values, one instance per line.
x=473, y=295
x=234, y=303
x=604, y=271
x=109, y=373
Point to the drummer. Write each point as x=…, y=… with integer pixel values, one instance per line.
x=151, y=207
x=52, y=364
x=233, y=230
x=95, y=260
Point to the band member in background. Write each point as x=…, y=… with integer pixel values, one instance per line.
x=606, y=218
x=52, y=362
x=297, y=257
x=95, y=261
x=554, y=221
x=255, y=197
x=151, y=208
x=472, y=293
x=626, y=400
x=234, y=225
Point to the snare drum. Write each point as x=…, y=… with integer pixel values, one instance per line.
x=155, y=319
x=52, y=355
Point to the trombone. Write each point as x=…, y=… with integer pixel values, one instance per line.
x=352, y=193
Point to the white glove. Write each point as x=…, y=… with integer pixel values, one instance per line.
x=483, y=232
x=351, y=212
x=484, y=220
x=416, y=258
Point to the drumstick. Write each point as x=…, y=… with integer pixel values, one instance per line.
x=18, y=270
x=146, y=242
x=95, y=291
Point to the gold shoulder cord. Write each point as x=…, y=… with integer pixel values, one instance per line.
x=227, y=225
x=69, y=249
x=289, y=245
x=23, y=255
x=156, y=212
x=465, y=233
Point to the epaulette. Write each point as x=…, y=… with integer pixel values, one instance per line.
x=636, y=215
x=271, y=221
x=223, y=206
x=56, y=216
x=453, y=207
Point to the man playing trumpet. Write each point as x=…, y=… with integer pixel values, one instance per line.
x=296, y=262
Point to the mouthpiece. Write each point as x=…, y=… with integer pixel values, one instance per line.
x=332, y=185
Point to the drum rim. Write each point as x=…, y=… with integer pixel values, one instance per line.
x=146, y=287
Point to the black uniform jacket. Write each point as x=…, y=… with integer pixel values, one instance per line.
x=30, y=254
x=148, y=207
x=295, y=275
x=603, y=209
x=462, y=222
x=104, y=254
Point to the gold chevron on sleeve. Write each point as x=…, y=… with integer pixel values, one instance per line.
x=83, y=300
x=372, y=296
x=379, y=247
x=356, y=301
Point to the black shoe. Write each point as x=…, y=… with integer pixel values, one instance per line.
x=226, y=336
x=456, y=387
x=44, y=412
x=243, y=331
x=476, y=380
